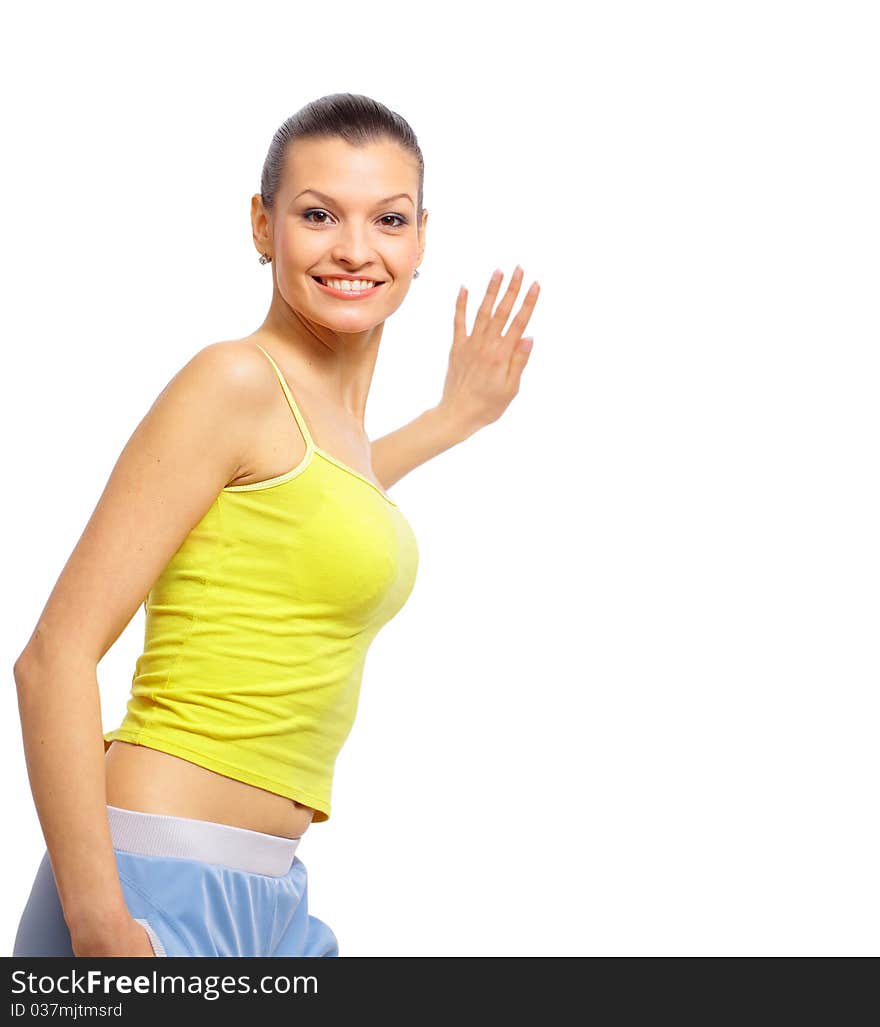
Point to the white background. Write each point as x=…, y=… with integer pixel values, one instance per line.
x=631, y=706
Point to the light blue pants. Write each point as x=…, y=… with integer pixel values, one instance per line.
x=198, y=888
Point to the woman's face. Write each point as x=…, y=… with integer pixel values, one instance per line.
x=348, y=211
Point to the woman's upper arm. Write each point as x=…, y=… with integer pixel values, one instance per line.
x=188, y=446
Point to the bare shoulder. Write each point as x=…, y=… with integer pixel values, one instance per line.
x=187, y=447
x=243, y=369
x=233, y=368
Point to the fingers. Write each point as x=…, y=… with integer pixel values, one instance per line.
x=484, y=313
x=519, y=323
x=498, y=320
x=504, y=307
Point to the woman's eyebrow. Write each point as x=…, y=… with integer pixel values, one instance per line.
x=329, y=199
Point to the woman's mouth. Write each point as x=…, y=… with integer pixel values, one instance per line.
x=347, y=289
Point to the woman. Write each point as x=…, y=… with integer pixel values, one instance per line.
x=251, y=510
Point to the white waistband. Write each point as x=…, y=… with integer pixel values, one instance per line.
x=157, y=834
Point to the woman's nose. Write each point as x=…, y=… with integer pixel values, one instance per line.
x=352, y=247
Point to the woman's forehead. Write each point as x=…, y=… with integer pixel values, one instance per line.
x=335, y=166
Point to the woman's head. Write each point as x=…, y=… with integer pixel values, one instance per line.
x=341, y=193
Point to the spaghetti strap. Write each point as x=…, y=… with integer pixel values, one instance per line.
x=291, y=402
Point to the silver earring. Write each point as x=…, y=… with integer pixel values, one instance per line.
x=416, y=273
x=264, y=259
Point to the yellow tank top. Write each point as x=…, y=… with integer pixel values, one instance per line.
x=257, y=629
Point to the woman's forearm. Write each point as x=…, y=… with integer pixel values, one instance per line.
x=60, y=710
x=397, y=453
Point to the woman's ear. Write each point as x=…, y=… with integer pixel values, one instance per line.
x=261, y=225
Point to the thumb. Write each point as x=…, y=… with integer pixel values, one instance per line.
x=525, y=345
x=519, y=359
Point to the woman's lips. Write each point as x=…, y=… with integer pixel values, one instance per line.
x=351, y=294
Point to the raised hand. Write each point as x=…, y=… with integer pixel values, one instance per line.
x=485, y=366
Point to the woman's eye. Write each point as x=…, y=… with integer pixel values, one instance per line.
x=309, y=213
x=399, y=217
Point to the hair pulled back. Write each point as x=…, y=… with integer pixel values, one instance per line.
x=357, y=119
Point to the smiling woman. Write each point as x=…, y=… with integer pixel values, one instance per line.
x=364, y=243
x=270, y=555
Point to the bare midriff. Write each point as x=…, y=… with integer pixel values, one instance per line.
x=150, y=781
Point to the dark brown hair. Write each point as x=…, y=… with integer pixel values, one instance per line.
x=356, y=119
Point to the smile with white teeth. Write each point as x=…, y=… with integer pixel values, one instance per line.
x=348, y=285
